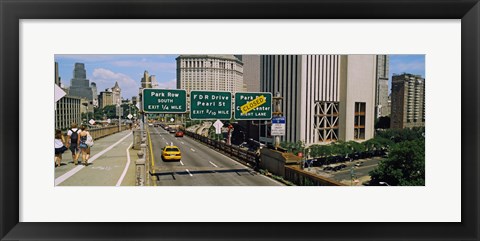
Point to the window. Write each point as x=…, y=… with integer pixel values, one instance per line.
x=359, y=121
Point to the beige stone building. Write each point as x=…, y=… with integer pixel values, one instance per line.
x=210, y=72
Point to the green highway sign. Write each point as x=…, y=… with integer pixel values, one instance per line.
x=164, y=101
x=253, y=106
x=210, y=105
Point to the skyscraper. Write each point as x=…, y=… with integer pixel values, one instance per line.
x=381, y=98
x=105, y=98
x=148, y=80
x=93, y=85
x=116, y=94
x=408, y=101
x=210, y=72
x=79, y=85
x=320, y=99
x=57, y=77
x=251, y=72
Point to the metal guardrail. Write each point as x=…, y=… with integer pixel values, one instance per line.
x=245, y=157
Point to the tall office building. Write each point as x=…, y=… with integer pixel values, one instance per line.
x=146, y=81
x=105, y=98
x=67, y=108
x=67, y=111
x=321, y=98
x=357, y=97
x=408, y=101
x=57, y=77
x=381, y=98
x=93, y=85
x=251, y=72
x=79, y=85
x=210, y=72
x=116, y=94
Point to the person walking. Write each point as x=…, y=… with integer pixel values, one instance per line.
x=59, y=147
x=73, y=141
x=84, y=147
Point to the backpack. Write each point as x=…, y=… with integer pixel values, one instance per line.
x=74, y=136
x=89, y=140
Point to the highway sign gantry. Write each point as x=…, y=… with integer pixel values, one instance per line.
x=164, y=101
x=210, y=105
x=253, y=106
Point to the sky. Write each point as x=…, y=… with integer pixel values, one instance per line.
x=128, y=70
x=411, y=64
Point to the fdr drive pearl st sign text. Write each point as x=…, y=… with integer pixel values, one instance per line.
x=210, y=105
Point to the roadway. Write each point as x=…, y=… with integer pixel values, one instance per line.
x=200, y=165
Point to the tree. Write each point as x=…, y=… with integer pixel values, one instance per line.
x=404, y=166
x=383, y=122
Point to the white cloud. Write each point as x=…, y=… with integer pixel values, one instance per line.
x=105, y=78
x=171, y=84
x=152, y=67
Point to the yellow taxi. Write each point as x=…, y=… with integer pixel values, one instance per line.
x=171, y=153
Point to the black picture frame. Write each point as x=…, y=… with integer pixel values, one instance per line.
x=12, y=11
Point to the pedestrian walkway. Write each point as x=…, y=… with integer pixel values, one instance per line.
x=112, y=163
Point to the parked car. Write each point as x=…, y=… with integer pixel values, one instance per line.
x=171, y=130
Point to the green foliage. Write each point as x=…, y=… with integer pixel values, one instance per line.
x=110, y=111
x=354, y=146
x=405, y=165
x=383, y=123
x=293, y=147
x=340, y=148
x=401, y=135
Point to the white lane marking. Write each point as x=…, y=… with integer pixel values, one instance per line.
x=72, y=172
x=163, y=137
x=167, y=143
x=189, y=173
x=236, y=162
x=192, y=149
x=213, y=164
x=181, y=163
x=120, y=180
x=182, y=142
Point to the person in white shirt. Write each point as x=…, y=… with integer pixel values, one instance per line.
x=60, y=148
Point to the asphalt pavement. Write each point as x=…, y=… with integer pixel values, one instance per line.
x=112, y=163
x=200, y=165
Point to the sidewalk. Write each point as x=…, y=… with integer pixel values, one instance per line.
x=107, y=165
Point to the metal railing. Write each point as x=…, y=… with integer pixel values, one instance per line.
x=243, y=156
